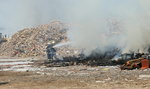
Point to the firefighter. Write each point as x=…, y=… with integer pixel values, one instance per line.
x=51, y=52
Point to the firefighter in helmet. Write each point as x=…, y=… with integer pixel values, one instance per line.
x=51, y=51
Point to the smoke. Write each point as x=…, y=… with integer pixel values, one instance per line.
x=138, y=29
x=100, y=25
x=103, y=25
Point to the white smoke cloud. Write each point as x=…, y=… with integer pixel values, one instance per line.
x=94, y=24
x=103, y=24
x=138, y=28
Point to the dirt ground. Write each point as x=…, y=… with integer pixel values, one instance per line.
x=75, y=77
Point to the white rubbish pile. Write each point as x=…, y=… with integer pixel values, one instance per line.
x=33, y=41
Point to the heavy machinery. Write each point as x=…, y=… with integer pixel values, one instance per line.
x=3, y=39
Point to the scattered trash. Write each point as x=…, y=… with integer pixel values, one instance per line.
x=3, y=83
x=144, y=77
x=100, y=81
x=105, y=69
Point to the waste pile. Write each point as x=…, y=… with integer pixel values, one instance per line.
x=104, y=59
x=33, y=41
x=78, y=58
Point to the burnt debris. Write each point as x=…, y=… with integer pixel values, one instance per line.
x=95, y=59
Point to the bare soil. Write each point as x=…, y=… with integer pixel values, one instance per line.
x=76, y=77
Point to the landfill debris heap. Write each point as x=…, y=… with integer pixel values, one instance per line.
x=31, y=42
